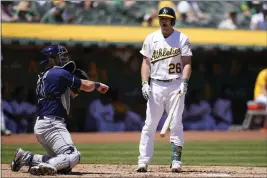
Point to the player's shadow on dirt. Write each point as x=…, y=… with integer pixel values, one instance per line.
x=188, y=171
x=199, y=171
x=84, y=173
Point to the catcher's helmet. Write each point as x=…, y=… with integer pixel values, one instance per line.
x=168, y=12
x=52, y=52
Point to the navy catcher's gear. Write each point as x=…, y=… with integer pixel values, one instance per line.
x=54, y=52
x=168, y=12
x=70, y=66
x=53, y=92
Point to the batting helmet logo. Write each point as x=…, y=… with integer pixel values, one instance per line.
x=164, y=11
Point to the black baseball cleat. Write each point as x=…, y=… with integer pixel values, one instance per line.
x=16, y=163
x=142, y=168
x=64, y=171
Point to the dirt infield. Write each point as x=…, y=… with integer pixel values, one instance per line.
x=97, y=170
x=90, y=170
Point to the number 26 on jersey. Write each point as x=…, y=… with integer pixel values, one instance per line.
x=175, y=68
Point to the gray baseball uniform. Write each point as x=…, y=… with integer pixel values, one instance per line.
x=54, y=92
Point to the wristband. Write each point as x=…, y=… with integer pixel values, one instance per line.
x=144, y=82
x=97, y=85
x=185, y=80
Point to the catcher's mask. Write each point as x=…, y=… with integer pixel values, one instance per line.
x=55, y=52
x=168, y=12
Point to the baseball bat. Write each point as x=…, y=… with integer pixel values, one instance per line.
x=170, y=115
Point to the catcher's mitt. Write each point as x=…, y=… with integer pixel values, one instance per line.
x=82, y=75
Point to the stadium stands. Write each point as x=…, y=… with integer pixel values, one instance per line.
x=220, y=57
x=131, y=13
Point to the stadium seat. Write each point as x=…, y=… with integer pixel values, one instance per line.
x=255, y=118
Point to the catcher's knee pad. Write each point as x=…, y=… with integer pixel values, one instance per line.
x=65, y=161
x=74, y=158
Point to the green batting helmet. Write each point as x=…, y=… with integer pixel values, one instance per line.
x=168, y=12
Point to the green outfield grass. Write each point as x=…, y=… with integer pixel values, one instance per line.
x=234, y=153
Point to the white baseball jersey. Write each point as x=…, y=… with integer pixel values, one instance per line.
x=165, y=54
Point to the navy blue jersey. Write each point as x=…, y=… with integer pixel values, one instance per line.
x=52, y=85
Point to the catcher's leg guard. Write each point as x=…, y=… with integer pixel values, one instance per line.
x=65, y=162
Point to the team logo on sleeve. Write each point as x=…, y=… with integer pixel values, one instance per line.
x=164, y=53
x=188, y=44
x=144, y=47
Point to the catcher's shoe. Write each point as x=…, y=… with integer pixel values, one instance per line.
x=43, y=169
x=16, y=163
x=142, y=168
x=176, y=166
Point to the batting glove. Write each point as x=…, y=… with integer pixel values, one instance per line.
x=183, y=87
x=146, y=90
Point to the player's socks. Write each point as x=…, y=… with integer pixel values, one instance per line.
x=176, y=164
x=176, y=152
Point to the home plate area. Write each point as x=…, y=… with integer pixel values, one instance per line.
x=106, y=170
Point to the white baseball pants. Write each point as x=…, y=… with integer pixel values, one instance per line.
x=162, y=97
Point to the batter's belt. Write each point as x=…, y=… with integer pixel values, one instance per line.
x=170, y=80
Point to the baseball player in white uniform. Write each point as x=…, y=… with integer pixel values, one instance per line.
x=167, y=62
